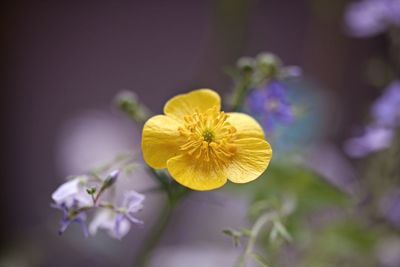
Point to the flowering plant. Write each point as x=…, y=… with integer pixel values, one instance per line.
x=294, y=204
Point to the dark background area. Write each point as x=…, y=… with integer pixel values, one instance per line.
x=63, y=57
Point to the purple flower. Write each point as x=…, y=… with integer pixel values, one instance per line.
x=375, y=138
x=72, y=215
x=117, y=222
x=371, y=17
x=380, y=133
x=71, y=197
x=73, y=193
x=270, y=104
x=386, y=109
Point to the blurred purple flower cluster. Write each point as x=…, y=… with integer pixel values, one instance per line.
x=370, y=17
x=270, y=104
x=386, y=110
x=85, y=193
x=267, y=96
x=380, y=133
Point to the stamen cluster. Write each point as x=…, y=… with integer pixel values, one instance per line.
x=210, y=137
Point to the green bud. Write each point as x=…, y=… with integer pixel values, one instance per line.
x=268, y=64
x=129, y=103
x=245, y=64
x=91, y=191
x=111, y=179
x=236, y=235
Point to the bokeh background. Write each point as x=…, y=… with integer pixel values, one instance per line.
x=63, y=63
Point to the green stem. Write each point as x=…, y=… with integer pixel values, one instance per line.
x=175, y=194
x=255, y=231
x=240, y=96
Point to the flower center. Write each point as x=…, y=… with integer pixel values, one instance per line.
x=209, y=136
x=272, y=105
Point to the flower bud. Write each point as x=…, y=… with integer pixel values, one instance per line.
x=245, y=64
x=268, y=64
x=111, y=179
x=128, y=102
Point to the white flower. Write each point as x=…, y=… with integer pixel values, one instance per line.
x=73, y=192
x=117, y=222
x=110, y=221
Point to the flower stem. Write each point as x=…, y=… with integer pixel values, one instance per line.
x=239, y=98
x=240, y=92
x=255, y=230
x=175, y=194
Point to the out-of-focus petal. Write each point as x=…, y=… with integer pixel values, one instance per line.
x=366, y=18
x=386, y=109
x=107, y=220
x=375, y=139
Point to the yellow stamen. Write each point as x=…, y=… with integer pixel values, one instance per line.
x=209, y=136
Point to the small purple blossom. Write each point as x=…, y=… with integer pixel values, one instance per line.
x=117, y=222
x=270, y=104
x=380, y=133
x=73, y=192
x=72, y=215
x=386, y=109
x=370, y=17
x=84, y=193
x=374, y=139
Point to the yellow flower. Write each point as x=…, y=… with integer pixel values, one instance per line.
x=203, y=147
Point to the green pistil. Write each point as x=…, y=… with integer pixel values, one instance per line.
x=208, y=136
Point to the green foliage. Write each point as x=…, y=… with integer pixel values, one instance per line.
x=348, y=242
x=310, y=189
x=322, y=230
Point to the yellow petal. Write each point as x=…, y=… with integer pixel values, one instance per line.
x=186, y=104
x=246, y=126
x=160, y=140
x=252, y=158
x=197, y=175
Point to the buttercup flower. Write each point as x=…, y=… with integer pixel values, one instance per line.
x=203, y=147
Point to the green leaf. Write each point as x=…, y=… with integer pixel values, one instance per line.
x=236, y=235
x=281, y=229
x=310, y=189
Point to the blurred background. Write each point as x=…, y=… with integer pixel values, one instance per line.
x=63, y=63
